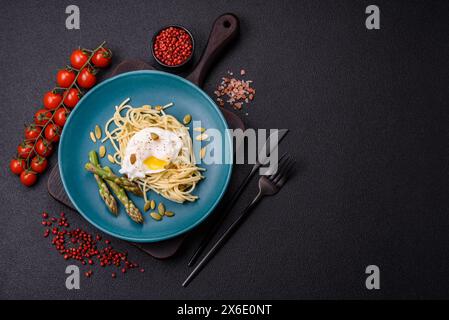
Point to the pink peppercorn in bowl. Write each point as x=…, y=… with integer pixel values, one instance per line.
x=172, y=47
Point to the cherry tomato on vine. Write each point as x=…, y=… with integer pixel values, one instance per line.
x=102, y=58
x=86, y=78
x=52, y=132
x=72, y=98
x=28, y=178
x=65, y=78
x=25, y=149
x=52, y=100
x=41, y=117
x=39, y=164
x=44, y=148
x=78, y=58
x=32, y=131
x=60, y=117
x=17, y=166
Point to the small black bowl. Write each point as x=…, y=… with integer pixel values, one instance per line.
x=178, y=66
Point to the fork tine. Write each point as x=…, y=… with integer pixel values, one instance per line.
x=284, y=170
x=285, y=176
x=282, y=163
x=281, y=160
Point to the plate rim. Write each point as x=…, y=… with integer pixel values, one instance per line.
x=184, y=230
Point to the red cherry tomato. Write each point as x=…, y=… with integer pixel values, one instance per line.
x=28, y=178
x=52, y=132
x=39, y=164
x=17, y=166
x=72, y=98
x=25, y=149
x=102, y=58
x=78, y=58
x=32, y=131
x=60, y=117
x=41, y=117
x=52, y=100
x=86, y=78
x=65, y=78
x=44, y=148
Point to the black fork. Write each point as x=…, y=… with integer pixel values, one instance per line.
x=268, y=186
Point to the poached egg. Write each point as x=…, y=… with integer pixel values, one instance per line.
x=150, y=151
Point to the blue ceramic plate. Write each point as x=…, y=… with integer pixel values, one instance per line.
x=96, y=107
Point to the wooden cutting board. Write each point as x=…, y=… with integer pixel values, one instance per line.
x=224, y=31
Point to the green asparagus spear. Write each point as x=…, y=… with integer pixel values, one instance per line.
x=131, y=209
x=105, y=194
x=121, y=181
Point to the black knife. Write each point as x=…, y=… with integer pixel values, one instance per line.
x=260, y=161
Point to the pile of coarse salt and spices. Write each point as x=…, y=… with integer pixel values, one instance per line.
x=235, y=92
x=77, y=244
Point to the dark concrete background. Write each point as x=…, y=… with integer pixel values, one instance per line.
x=368, y=117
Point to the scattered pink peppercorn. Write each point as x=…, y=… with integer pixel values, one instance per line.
x=79, y=245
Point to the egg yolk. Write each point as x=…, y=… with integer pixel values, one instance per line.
x=154, y=163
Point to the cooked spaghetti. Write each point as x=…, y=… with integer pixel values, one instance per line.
x=180, y=176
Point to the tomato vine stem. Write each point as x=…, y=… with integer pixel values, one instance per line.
x=50, y=120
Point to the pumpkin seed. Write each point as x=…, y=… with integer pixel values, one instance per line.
x=199, y=129
x=102, y=151
x=202, y=137
x=153, y=204
x=169, y=213
x=111, y=159
x=92, y=137
x=146, y=206
x=132, y=158
x=155, y=216
x=161, y=208
x=158, y=108
x=187, y=119
x=146, y=106
x=98, y=132
x=154, y=136
x=202, y=152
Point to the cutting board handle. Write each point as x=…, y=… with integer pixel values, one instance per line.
x=224, y=30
